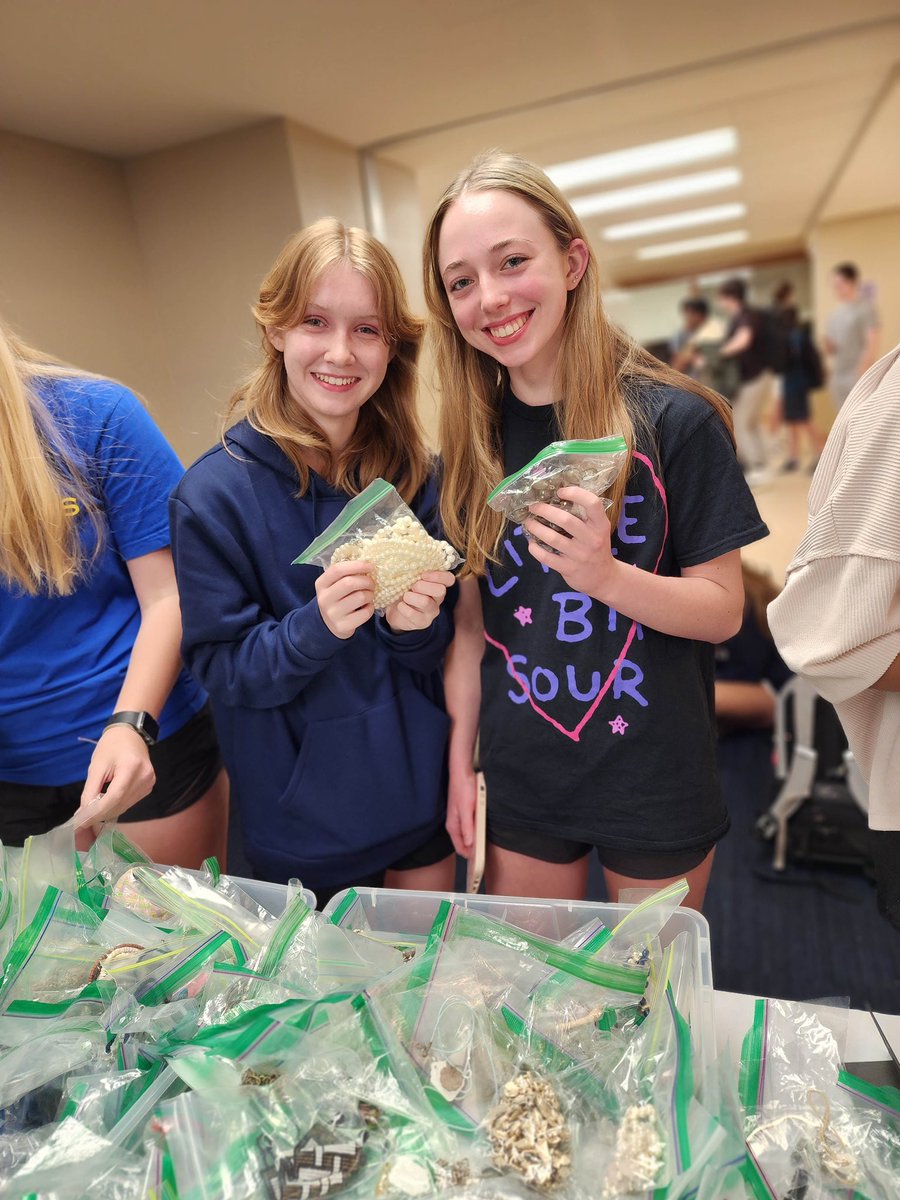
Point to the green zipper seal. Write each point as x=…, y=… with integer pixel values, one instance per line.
x=679, y=888
x=558, y=978
x=885, y=1097
x=6, y=900
x=337, y=917
x=608, y=445
x=26, y=942
x=283, y=935
x=211, y=865
x=749, y=1083
x=631, y=980
x=440, y=926
x=349, y=515
x=98, y=994
x=184, y=971
x=751, y=1061
x=684, y=1083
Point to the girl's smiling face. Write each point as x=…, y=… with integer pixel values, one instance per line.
x=336, y=358
x=508, y=281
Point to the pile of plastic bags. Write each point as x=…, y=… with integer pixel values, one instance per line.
x=163, y=1035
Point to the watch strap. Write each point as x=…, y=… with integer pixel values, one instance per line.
x=142, y=723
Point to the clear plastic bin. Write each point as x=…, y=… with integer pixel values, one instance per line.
x=272, y=896
x=382, y=910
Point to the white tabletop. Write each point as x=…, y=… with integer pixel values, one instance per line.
x=854, y=1029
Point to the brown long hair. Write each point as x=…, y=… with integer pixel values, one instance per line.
x=388, y=441
x=598, y=367
x=41, y=478
x=759, y=592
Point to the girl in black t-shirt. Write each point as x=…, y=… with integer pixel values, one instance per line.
x=594, y=696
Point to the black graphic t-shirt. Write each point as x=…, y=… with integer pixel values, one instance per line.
x=593, y=727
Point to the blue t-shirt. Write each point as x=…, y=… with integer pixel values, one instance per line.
x=64, y=657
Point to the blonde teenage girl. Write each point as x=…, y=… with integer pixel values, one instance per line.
x=93, y=698
x=585, y=656
x=332, y=718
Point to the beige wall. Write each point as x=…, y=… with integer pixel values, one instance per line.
x=399, y=223
x=871, y=242
x=211, y=215
x=71, y=275
x=326, y=177
x=146, y=270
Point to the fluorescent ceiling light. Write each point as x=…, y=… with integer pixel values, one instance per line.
x=681, y=220
x=653, y=156
x=652, y=193
x=690, y=245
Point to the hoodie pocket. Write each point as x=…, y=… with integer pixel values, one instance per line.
x=364, y=779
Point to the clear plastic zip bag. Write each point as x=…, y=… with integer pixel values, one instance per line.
x=593, y=465
x=794, y=1129
x=377, y=526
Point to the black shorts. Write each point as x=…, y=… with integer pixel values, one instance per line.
x=795, y=407
x=438, y=847
x=186, y=764
x=635, y=864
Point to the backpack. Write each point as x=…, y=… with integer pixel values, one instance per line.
x=774, y=347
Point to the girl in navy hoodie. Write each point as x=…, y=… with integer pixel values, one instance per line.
x=331, y=717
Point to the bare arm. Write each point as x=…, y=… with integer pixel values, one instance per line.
x=121, y=759
x=462, y=689
x=685, y=358
x=739, y=341
x=745, y=705
x=870, y=351
x=705, y=602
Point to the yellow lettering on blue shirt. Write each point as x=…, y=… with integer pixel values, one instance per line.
x=71, y=507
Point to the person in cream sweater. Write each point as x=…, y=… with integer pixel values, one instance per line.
x=837, y=621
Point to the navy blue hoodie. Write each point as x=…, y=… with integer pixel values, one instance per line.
x=335, y=748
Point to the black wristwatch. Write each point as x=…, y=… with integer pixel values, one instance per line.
x=141, y=722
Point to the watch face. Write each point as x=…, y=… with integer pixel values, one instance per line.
x=148, y=728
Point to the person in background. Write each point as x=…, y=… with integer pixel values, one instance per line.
x=851, y=333
x=749, y=669
x=837, y=621
x=783, y=298
x=583, y=646
x=744, y=342
x=749, y=674
x=93, y=698
x=694, y=315
x=803, y=373
x=694, y=349
x=333, y=720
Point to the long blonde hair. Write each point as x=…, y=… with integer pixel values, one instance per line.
x=388, y=440
x=41, y=480
x=597, y=369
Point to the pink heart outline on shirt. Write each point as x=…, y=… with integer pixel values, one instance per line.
x=575, y=734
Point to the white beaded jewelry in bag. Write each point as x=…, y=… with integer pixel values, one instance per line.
x=378, y=527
